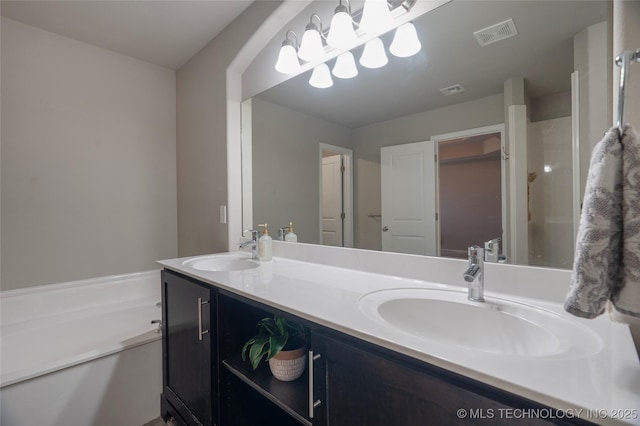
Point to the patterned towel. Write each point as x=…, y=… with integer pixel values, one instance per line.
x=626, y=297
x=607, y=259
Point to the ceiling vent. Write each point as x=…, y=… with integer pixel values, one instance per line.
x=496, y=32
x=452, y=90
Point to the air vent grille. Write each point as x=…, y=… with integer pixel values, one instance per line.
x=497, y=32
x=452, y=90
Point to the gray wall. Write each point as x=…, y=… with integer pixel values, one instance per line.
x=591, y=53
x=549, y=107
x=88, y=160
x=202, y=135
x=286, y=170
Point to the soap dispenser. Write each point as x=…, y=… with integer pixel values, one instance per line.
x=291, y=236
x=265, y=244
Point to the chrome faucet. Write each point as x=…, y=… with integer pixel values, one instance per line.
x=492, y=251
x=282, y=232
x=253, y=243
x=474, y=274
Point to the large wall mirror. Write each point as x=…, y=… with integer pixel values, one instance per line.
x=423, y=155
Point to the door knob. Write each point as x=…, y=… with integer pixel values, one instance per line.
x=385, y=229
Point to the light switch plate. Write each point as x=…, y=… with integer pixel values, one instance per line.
x=223, y=214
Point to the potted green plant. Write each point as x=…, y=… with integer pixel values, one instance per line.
x=283, y=343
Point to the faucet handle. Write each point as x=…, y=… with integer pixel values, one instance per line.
x=254, y=233
x=474, y=252
x=282, y=232
x=492, y=250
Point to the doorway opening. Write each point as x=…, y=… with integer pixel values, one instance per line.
x=471, y=196
x=336, y=199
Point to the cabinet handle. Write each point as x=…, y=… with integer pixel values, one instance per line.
x=201, y=332
x=312, y=402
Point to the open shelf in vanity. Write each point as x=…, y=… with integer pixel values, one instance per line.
x=238, y=318
x=292, y=396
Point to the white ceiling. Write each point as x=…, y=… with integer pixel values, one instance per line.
x=165, y=33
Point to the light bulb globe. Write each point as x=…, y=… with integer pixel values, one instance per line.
x=345, y=66
x=287, y=62
x=321, y=77
x=341, y=34
x=375, y=15
x=311, y=49
x=373, y=54
x=405, y=41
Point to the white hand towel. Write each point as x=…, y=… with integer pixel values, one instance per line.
x=607, y=258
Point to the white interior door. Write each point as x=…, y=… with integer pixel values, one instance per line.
x=332, y=200
x=408, y=198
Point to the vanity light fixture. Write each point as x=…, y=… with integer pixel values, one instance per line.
x=373, y=54
x=405, y=41
x=311, y=48
x=288, y=57
x=341, y=32
x=321, y=77
x=375, y=14
x=345, y=66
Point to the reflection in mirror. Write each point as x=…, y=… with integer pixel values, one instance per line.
x=336, y=201
x=469, y=185
x=526, y=184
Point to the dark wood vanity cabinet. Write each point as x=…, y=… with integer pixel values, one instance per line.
x=357, y=384
x=189, y=355
x=348, y=382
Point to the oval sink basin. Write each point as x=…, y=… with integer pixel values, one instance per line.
x=221, y=263
x=496, y=326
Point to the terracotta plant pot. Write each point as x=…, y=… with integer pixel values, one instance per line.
x=289, y=365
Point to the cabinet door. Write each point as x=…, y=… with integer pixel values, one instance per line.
x=362, y=388
x=188, y=354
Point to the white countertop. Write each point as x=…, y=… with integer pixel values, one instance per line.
x=602, y=386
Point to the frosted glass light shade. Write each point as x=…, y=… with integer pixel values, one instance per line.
x=341, y=34
x=375, y=14
x=373, y=54
x=405, y=41
x=287, y=60
x=311, y=49
x=321, y=77
x=345, y=66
